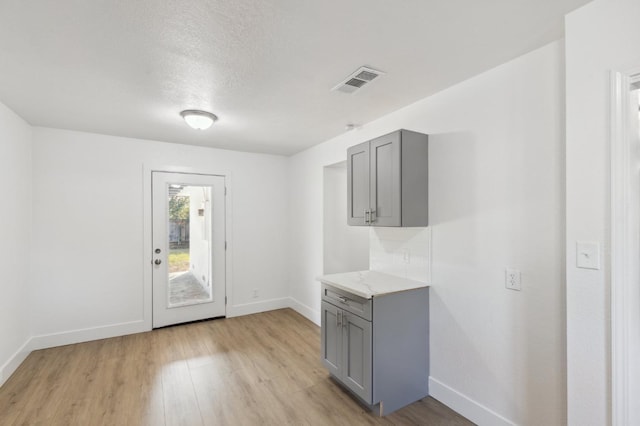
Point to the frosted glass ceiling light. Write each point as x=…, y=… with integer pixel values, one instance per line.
x=197, y=119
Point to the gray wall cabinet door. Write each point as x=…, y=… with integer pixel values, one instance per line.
x=331, y=338
x=358, y=184
x=385, y=189
x=356, y=351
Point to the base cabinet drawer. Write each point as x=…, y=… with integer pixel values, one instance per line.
x=347, y=301
x=384, y=360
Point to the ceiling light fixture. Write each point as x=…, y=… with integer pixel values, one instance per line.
x=197, y=119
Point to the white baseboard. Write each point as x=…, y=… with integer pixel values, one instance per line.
x=14, y=362
x=44, y=341
x=257, y=307
x=465, y=406
x=305, y=311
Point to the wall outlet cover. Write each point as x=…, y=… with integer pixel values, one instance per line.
x=512, y=280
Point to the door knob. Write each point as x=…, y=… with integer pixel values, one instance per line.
x=157, y=261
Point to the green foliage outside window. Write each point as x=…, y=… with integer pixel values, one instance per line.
x=179, y=208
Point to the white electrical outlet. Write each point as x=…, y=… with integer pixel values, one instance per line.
x=406, y=255
x=512, y=279
x=254, y=293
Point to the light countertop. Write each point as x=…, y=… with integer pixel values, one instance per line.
x=369, y=284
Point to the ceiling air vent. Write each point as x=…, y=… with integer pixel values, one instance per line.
x=358, y=79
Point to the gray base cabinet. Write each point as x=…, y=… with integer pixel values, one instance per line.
x=378, y=348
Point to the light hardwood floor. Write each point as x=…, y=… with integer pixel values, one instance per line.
x=261, y=369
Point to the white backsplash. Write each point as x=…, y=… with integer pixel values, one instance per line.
x=403, y=252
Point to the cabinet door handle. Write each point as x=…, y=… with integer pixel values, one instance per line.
x=339, y=319
x=372, y=216
x=366, y=216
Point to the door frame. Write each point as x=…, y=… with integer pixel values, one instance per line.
x=621, y=253
x=147, y=234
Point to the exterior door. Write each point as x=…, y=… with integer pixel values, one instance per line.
x=188, y=258
x=385, y=185
x=356, y=351
x=358, y=184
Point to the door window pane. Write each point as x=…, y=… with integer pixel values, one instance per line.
x=189, y=231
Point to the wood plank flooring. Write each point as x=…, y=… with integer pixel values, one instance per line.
x=261, y=369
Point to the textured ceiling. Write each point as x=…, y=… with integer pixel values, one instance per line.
x=127, y=68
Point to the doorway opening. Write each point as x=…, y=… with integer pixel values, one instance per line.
x=346, y=248
x=625, y=248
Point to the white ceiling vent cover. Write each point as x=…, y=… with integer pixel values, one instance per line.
x=357, y=80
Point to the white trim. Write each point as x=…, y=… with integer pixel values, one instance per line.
x=44, y=341
x=147, y=248
x=257, y=307
x=465, y=406
x=620, y=244
x=619, y=174
x=147, y=169
x=229, y=238
x=304, y=310
x=14, y=362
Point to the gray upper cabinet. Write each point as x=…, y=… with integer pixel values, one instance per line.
x=387, y=181
x=358, y=183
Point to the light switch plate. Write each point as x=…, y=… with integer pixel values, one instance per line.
x=587, y=255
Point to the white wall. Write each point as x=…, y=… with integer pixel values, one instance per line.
x=88, y=230
x=602, y=36
x=199, y=233
x=496, y=201
x=404, y=252
x=346, y=248
x=15, y=220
